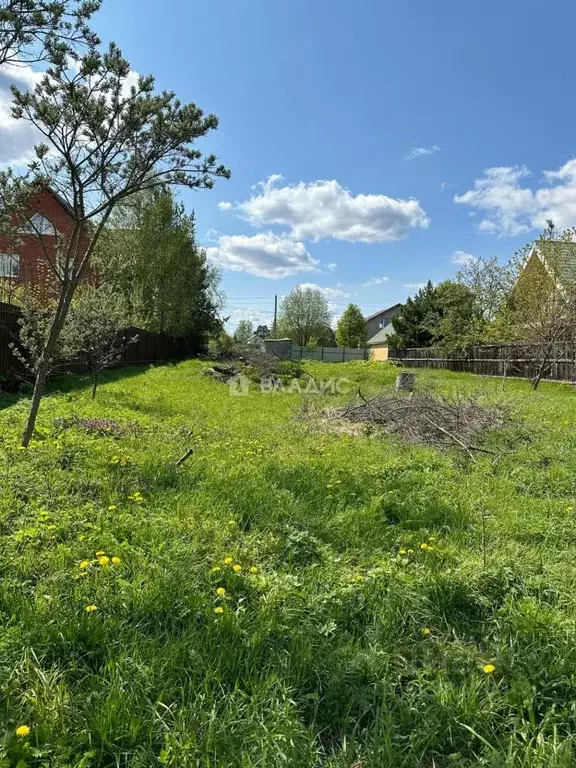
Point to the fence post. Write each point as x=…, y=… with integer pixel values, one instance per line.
x=322, y=352
x=343, y=354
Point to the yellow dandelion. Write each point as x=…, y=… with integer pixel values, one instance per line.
x=220, y=591
x=410, y=551
x=91, y=608
x=403, y=552
x=22, y=731
x=100, y=553
x=216, y=569
x=253, y=569
x=488, y=669
x=112, y=508
x=228, y=560
x=84, y=563
x=219, y=610
x=116, y=561
x=358, y=577
x=569, y=509
x=51, y=527
x=103, y=560
x=426, y=631
x=424, y=546
x=237, y=568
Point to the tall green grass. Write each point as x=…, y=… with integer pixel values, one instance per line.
x=342, y=641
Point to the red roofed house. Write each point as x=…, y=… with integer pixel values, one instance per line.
x=50, y=216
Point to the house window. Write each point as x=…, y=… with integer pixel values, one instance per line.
x=39, y=225
x=381, y=323
x=9, y=265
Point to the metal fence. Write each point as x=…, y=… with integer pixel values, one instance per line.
x=285, y=349
x=149, y=347
x=517, y=360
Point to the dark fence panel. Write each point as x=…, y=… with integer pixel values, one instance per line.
x=149, y=347
x=517, y=360
x=329, y=354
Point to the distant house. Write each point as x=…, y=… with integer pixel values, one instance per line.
x=379, y=320
x=378, y=329
x=33, y=261
x=556, y=257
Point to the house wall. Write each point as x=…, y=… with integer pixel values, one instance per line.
x=35, y=254
x=380, y=321
x=379, y=352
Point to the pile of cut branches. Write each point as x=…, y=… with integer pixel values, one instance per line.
x=458, y=421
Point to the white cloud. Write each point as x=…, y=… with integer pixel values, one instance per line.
x=329, y=293
x=374, y=281
x=322, y=210
x=421, y=152
x=462, y=258
x=18, y=137
x=224, y=205
x=332, y=267
x=256, y=316
x=415, y=286
x=512, y=209
x=264, y=255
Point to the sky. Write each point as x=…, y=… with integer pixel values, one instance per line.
x=373, y=145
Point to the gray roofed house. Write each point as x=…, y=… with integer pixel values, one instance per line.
x=379, y=320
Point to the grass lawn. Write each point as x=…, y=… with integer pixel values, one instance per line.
x=285, y=597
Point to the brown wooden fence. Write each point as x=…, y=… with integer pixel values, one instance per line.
x=149, y=347
x=518, y=360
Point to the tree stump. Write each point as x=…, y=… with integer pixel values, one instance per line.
x=406, y=381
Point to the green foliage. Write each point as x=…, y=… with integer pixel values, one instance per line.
x=303, y=316
x=108, y=140
x=320, y=657
x=149, y=255
x=244, y=331
x=223, y=346
x=413, y=326
x=37, y=30
x=351, y=329
x=457, y=324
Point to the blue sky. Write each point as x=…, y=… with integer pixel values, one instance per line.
x=336, y=97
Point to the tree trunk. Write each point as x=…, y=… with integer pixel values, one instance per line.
x=39, y=384
x=44, y=364
x=94, y=385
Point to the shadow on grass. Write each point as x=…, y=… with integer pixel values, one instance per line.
x=12, y=392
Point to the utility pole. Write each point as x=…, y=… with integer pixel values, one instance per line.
x=275, y=315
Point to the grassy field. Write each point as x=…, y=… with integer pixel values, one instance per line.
x=285, y=597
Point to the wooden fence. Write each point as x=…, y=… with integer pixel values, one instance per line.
x=518, y=360
x=149, y=348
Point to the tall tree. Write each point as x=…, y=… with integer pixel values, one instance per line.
x=413, y=326
x=456, y=322
x=105, y=141
x=35, y=30
x=303, y=315
x=244, y=331
x=490, y=284
x=351, y=328
x=150, y=256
